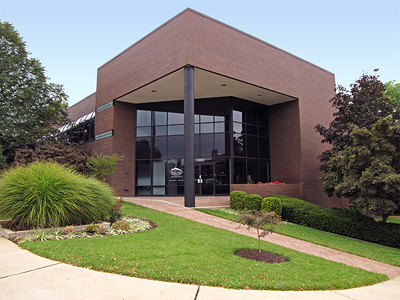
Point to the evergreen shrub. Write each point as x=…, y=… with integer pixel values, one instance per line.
x=237, y=200
x=348, y=222
x=252, y=202
x=272, y=204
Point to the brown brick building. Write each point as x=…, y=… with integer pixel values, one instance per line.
x=198, y=107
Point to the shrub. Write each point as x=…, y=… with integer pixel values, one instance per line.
x=115, y=213
x=237, y=200
x=348, y=222
x=272, y=204
x=69, y=155
x=47, y=194
x=252, y=202
x=121, y=225
x=3, y=159
x=103, y=165
x=94, y=228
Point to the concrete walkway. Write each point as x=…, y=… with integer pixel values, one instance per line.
x=24, y=275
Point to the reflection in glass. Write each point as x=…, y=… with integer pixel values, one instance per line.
x=143, y=147
x=158, y=173
x=252, y=146
x=143, y=190
x=237, y=116
x=239, y=170
x=219, y=127
x=176, y=130
x=143, y=172
x=252, y=170
x=175, y=118
x=160, y=148
x=207, y=128
x=221, y=144
x=159, y=190
x=143, y=131
x=196, y=145
x=160, y=118
x=206, y=118
x=222, y=171
x=237, y=127
x=207, y=145
x=143, y=118
x=238, y=144
x=175, y=146
x=161, y=130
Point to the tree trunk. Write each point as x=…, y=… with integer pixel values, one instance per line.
x=259, y=240
x=384, y=218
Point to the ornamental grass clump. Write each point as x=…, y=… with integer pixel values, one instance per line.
x=45, y=194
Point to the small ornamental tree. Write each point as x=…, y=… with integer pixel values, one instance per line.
x=103, y=165
x=368, y=171
x=262, y=221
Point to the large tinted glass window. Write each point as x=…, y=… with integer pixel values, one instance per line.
x=160, y=148
x=143, y=148
x=175, y=146
x=143, y=172
x=143, y=118
x=226, y=130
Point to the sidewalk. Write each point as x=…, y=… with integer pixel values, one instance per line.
x=24, y=275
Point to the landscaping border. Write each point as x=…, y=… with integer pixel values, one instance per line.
x=9, y=234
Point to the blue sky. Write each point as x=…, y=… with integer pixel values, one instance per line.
x=72, y=38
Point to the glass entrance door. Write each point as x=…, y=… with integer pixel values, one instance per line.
x=204, y=178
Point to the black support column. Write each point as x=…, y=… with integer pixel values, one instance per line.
x=189, y=135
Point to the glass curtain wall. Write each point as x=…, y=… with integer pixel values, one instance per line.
x=221, y=124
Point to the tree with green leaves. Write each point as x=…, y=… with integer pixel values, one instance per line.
x=393, y=92
x=31, y=107
x=362, y=106
x=103, y=165
x=368, y=171
x=263, y=221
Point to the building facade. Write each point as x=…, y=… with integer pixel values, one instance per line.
x=197, y=107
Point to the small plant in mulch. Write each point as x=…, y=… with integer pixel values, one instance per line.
x=115, y=214
x=264, y=223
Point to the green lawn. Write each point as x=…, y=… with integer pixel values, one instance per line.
x=392, y=219
x=370, y=250
x=180, y=250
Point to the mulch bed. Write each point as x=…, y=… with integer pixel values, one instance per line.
x=264, y=256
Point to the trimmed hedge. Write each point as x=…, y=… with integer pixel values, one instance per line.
x=272, y=204
x=348, y=222
x=237, y=200
x=252, y=201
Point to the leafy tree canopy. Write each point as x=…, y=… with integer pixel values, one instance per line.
x=393, y=92
x=363, y=105
x=368, y=171
x=31, y=108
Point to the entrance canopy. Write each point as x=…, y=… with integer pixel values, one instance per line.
x=206, y=85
